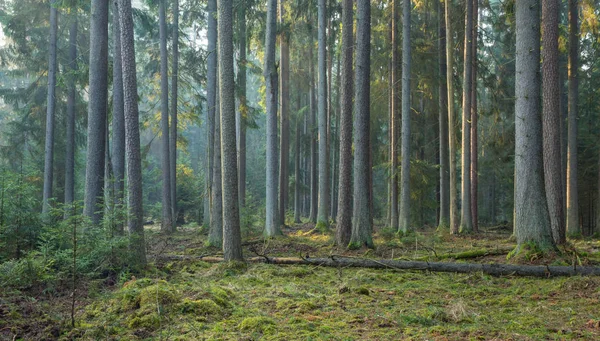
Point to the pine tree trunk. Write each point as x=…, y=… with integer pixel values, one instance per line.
x=71, y=102
x=323, y=207
x=361, y=216
x=284, y=93
x=215, y=233
x=466, y=218
x=166, y=225
x=118, y=125
x=404, y=214
x=97, y=108
x=573, y=226
x=532, y=224
x=314, y=153
x=395, y=119
x=243, y=109
x=211, y=94
x=474, y=114
x=297, y=171
x=232, y=239
x=551, y=117
x=451, y=119
x=344, y=216
x=444, y=220
x=50, y=112
x=270, y=74
x=174, y=95
x=132, y=136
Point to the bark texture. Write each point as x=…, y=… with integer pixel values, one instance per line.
x=97, y=108
x=532, y=224
x=215, y=232
x=132, y=136
x=551, y=118
x=323, y=208
x=573, y=227
x=344, y=216
x=361, y=213
x=118, y=124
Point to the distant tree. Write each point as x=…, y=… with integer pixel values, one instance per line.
x=211, y=93
x=474, y=118
x=243, y=101
x=174, y=102
x=97, y=111
x=573, y=227
x=532, y=224
x=361, y=216
x=451, y=118
x=50, y=111
x=284, y=102
x=466, y=218
x=395, y=118
x=443, y=124
x=132, y=135
x=323, y=207
x=404, y=214
x=167, y=217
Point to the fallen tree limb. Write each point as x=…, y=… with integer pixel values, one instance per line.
x=469, y=254
x=490, y=269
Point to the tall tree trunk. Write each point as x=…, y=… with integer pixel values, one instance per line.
x=404, y=214
x=215, y=232
x=344, y=216
x=232, y=239
x=270, y=74
x=167, y=217
x=71, y=98
x=132, y=136
x=573, y=226
x=361, y=215
x=97, y=107
x=284, y=94
x=395, y=119
x=551, y=117
x=444, y=220
x=314, y=153
x=174, y=95
x=323, y=208
x=211, y=94
x=243, y=109
x=532, y=224
x=297, y=169
x=466, y=218
x=118, y=125
x=50, y=109
x=473, y=145
x=451, y=119
x=335, y=147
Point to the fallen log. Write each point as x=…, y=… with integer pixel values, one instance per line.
x=494, y=269
x=468, y=254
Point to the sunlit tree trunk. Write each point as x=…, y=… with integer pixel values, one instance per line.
x=573, y=227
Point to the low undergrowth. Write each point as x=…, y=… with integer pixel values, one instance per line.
x=193, y=300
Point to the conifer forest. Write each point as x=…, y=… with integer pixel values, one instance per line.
x=299, y=170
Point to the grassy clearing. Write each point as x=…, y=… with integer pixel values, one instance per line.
x=191, y=300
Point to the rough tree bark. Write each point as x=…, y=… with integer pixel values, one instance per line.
x=532, y=224
x=344, y=216
x=118, y=124
x=132, y=135
x=270, y=74
x=404, y=215
x=551, y=118
x=466, y=218
x=361, y=213
x=444, y=220
x=97, y=108
x=573, y=227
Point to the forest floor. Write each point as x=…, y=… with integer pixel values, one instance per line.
x=191, y=299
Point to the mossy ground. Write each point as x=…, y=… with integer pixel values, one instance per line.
x=193, y=300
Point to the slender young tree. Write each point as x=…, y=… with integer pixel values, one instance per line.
x=323, y=208
x=451, y=119
x=167, y=218
x=243, y=105
x=232, y=239
x=284, y=101
x=344, y=216
x=211, y=94
x=314, y=152
x=473, y=144
x=404, y=216
x=466, y=218
x=270, y=74
x=118, y=121
x=444, y=220
x=573, y=227
x=215, y=232
x=50, y=109
x=361, y=214
x=297, y=169
x=71, y=98
x=532, y=224
x=174, y=95
x=395, y=119
x=132, y=135
x=97, y=108
x=551, y=118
